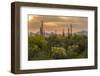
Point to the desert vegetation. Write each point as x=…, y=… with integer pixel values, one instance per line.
x=57, y=47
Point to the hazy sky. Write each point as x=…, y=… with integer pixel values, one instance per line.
x=57, y=23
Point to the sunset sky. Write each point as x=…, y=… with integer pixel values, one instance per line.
x=57, y=23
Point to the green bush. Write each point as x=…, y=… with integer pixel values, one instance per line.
x=83, y=54
x=38, y=40
x=72, y=51
x=33, y=51
x=58, y=52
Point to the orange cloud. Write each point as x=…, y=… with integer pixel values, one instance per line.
x=57, y=23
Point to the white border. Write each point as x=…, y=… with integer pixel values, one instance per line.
x=25, y=64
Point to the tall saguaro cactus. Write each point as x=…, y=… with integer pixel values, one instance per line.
x=42, y=29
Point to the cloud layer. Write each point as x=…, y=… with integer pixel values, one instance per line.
x=57, y=23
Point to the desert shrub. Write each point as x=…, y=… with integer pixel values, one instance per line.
x=72, y=51
x=83, y=54
x=33, y=51
x=37, y=40
x=38, y=48
x=58, y=52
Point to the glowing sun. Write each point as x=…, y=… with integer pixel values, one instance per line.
x=31, y=18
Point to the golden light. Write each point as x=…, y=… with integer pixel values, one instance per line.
x=66, y=18
x=50, y=24
x=30, y=18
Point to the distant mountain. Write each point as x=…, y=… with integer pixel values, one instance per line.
x=48, y=34
x=31, y=33
x=38, y=33
x=83, y=33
